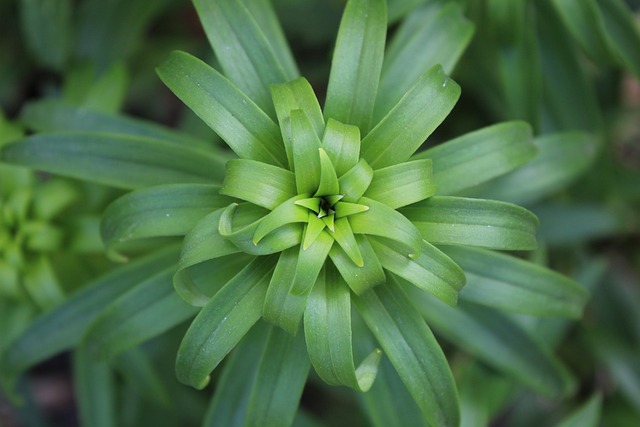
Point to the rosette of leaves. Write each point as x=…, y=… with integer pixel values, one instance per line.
x=325, y=209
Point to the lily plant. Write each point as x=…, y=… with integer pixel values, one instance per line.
x=332, y=236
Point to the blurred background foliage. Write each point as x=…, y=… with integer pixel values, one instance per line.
x=568, y=67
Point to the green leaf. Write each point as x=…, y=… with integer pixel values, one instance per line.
x=279, y=381
x=145, y=311
x=233, y=389
x=479, y=156
x=169, y=210
x=305, y=145
x=356, y=63
x=380, y=220
x=354, y=183
x=402, y=184
x=41, y=284
x=95, y=384
x=107, y=90
x=47, y=30
x=623, y=32
x=238, y=225
x=586, y=24
x=328, y=179
x=436, y=34
x=496, y=340
x=223, y=322
x=327, y=329
x=431, y=270
x=50, y=115
x=342, y=144
x=359, y=278
x=288, y=212
x=512, y=284
x=587, y=415
x=310, y=262
x=399, y=8
x=138, y=372
x=63, y=327
x=248, y=131
x=343, y=235
x=296, y=95
x=128, y=162
x=474, y=222
x=413, y=351
x=249, y=45
x=281, y=307
x=561, y=159
x=416, y=115
x=259, y=183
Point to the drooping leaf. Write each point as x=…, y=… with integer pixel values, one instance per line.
x=122, y=161
x=474, y=222
x=247, y=129
x=413, y=351
x=408, y=124
x=327, y=330
x=356, y=64
x=221, y=323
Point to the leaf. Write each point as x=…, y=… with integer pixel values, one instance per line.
x=356, y=63
x=95, y=384
x=279, y=381
x=233, y=389
x=138, y=372
x=359, y=278
x=143, y=312
x=328, y=179
x=413, y=351
x=261, y=184
x=222, y=323
x=561, y=159
x=416, y=115
x=47, y=30
x=288, y=212
x=249, y=45
x=305, y=145
x=64, y=326
x=399, y=8
x=474, y=222
x=238, y=225
x=327, y=330
x=380, y=220
x=310, y=262
x=295, y=95
x=402, y=184
x=354, y=183
x=48, y=115
x=169, y=210
x=512, y=284
x=479, y=156
x=587, y=415
x=247, y=129
x=495, y=339
x=41, y=284
x=623, y=32
x=342, y=144
x=428, y=36
x=128, y=162
x=343, y=235
x=431, y=270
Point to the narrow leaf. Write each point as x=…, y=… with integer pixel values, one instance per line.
x=306, y=161
x=343, y=235
x=328, y=179
x=356, y=64
x=402, y=184
x=408, y=124
x=247, y=129
x=249, y=44
x=287, y=213
x=623, y=32
x=359, y=278
x=474, y=222
x=342, y=144
x=587, y=415
x=95, y=384
x=310, y=262
x=258, y=183
x=413, y=351
x=479, y=156
x=354, y=183
x=222, y=323
x=431, y=270
x=127, y=162
x=512, y=284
